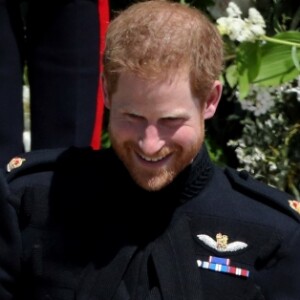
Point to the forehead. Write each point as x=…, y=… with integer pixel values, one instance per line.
x=141, y=96
x=133, y=84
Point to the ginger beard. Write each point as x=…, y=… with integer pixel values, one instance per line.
x=155, y=176
x=156, y=127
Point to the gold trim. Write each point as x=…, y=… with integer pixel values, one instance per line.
x=14, y=163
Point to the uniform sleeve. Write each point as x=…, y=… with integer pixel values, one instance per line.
x=10, y=243
x=289, y=270
x=281, y=276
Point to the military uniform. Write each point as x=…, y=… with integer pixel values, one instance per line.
x=60, y=46
x=75, y=226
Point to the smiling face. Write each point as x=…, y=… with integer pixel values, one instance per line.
x=156, y=128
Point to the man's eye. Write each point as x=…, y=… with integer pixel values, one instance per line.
x=173, y=121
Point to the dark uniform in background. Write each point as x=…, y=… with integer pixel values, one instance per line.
x=60, y=41
x=74, y=225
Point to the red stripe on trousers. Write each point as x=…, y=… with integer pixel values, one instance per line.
x=103, y=12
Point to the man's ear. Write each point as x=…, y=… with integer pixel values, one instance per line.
x=105, y=93
x=213, y=100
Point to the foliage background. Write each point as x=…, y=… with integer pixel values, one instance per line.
x=257, y=126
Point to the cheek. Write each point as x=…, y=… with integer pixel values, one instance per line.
x=123, y=131
x=186, y=136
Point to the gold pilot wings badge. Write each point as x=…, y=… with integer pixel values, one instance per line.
x=220, y=243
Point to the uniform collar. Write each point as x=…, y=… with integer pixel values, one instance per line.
x=197, y=175
x=189, y=183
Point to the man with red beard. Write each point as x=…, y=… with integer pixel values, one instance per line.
x=151, y=217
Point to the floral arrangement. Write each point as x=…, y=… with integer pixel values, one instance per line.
x=252, y=56
x=264, y=75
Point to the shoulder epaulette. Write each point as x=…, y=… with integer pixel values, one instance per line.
x=32, y=162
x=271, y=196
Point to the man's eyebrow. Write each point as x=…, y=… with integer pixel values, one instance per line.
x=175, y=114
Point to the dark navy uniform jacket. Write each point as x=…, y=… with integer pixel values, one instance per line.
x=74, y=226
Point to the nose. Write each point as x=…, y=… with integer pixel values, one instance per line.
x=151, y=142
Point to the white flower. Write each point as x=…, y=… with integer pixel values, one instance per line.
x=239, y=29
x=259, y=101
x=257, y=30
x=255, y=17
x=224, y=25
x=272, y=166
x=245, y=34
x=233, y=10
x=295, y=89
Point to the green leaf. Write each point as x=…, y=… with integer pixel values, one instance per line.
x=231, y=75
x=278, y=65
x=244, y=86
x=253, y=59
x=248, y=62
x=295, y=58
x=248, y=56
